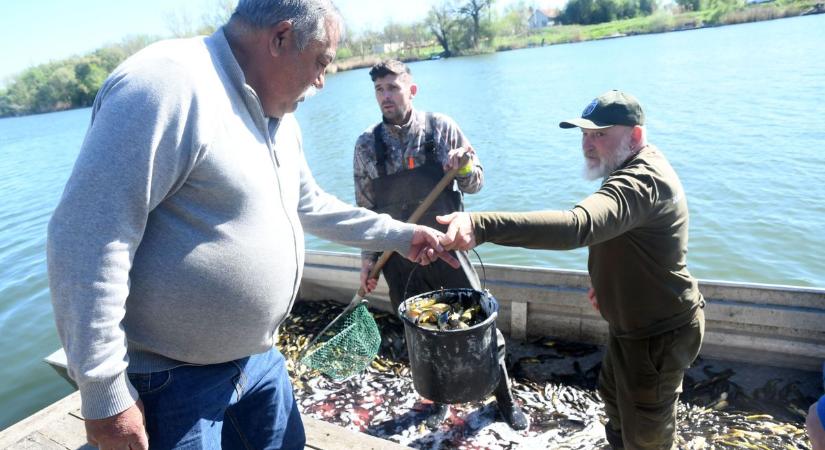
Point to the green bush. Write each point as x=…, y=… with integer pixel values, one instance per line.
x=344, y=52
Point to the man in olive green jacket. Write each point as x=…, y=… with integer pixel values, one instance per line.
x=636, y=228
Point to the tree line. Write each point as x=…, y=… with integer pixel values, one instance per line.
x=69, y=83
x=451, y=28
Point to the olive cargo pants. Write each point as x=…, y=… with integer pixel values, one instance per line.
x=640, y=382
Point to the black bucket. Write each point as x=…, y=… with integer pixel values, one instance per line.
x=454, y=366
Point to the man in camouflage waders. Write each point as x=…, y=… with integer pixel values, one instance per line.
x=397, y=163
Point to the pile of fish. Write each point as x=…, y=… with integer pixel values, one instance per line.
x=429, y=313
x=564, y=408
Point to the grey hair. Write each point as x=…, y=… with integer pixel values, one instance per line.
x=308, y=17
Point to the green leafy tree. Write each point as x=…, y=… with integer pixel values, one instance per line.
x=586, y=12
x=689, y=5
x=74, y=82
x=90, y=76
x=474, y=11
x=6, y=107
x=577, y=11
x=648, y=7
x=605, y=11
x=410, y=36
x=370, y=40
x=418, y=36
x=57, y=89
x=514, y=20
x=720, y=8
x=443, y=23
x=23, y=90
x=109, y=57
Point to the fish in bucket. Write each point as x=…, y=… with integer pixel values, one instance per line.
x=452, y=344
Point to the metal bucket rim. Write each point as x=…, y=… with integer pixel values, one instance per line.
x=491, y=318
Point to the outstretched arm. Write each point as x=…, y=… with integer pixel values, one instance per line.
x=426, y=247
x=460, y=234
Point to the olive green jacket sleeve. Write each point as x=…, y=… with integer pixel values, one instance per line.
x=636, y=228
x=551, y=230
x=620, y=205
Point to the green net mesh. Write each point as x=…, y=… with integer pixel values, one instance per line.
x=348, y=347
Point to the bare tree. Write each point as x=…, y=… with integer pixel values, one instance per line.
x=182, y=24
x=514, y=21
x=441, y=21
x=473, y=10
x=219, y=14
x=420, y=36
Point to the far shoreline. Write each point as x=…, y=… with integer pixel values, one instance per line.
x=662, y=21
x=682, y=22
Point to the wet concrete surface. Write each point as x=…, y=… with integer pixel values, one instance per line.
x=724, y=404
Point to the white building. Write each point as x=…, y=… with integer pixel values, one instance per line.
x=380, y=49
x=542, y=17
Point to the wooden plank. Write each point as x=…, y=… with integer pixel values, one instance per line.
x=326, y=436
x=60, y=426
x=54, y=426
x=518, y=320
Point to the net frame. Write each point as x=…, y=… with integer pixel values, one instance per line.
x=347, y=346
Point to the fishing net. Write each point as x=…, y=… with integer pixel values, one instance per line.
x=347, y=346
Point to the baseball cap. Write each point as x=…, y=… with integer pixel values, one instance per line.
x=611, y=108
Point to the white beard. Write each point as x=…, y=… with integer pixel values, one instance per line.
x=309, y=92
x=593, y=173
x=608, y=165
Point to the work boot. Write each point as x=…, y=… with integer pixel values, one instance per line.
x=438, y=415
x=613, y=436
x=507, y=405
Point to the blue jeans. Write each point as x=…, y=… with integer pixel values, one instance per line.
x=242, y=404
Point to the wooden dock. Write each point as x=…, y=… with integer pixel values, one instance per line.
x=60, y=427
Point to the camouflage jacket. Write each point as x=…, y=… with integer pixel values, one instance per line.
x=407, y=141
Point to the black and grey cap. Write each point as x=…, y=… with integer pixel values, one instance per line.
x=608, y=109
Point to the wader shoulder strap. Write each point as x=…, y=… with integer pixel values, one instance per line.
x=429, y=139
x=380, y=149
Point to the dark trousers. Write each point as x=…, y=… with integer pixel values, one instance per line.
x=640, y=382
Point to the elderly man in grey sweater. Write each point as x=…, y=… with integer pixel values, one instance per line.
x=177, y=248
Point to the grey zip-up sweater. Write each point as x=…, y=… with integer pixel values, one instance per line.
x=179, y=236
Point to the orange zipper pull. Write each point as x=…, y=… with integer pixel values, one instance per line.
x=410, y=162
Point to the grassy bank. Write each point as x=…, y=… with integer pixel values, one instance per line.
x=73, y=82
x=659, y=22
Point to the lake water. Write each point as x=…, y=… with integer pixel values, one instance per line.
x=737, y=109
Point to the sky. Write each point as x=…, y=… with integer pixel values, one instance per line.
x=34, y=32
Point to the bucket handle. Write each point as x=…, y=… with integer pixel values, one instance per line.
x=472, y=276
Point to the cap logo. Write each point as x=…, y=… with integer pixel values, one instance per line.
x=589, y=109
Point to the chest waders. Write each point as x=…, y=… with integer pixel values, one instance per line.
x=398, y=195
